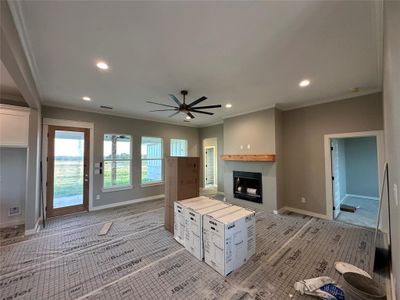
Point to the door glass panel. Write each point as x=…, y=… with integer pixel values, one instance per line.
x=68, y=168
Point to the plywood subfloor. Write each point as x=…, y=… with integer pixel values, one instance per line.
x=138, y=259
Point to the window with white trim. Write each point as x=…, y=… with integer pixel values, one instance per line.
x=152, y=159
x=117, y=155
x=179, y=147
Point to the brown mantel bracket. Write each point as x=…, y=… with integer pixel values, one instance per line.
x=249, y=157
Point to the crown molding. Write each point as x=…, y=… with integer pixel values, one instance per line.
x=118, y=114
x=19, y=21
x=334, y=99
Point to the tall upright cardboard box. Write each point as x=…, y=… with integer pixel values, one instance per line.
x=194, y=227
x=182, y=181
x=229, y=240
x=180, y=215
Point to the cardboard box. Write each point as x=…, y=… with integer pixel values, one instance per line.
x=194, y=227
x=229, y=239
x=179, y=215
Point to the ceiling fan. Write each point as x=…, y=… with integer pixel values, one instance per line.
x=188, y=109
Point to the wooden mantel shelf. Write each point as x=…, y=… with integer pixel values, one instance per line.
x=249, y=157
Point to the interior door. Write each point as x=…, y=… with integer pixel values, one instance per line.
x=335, y=177
x=210, y=165
x=67, y=170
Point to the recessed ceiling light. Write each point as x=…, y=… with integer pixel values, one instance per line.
x=86, y=98
x=304, y=83
x=188, y=118
x=228, y=105
x=102, y=65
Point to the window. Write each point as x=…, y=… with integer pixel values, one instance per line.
x=117, y=161
x=152, y=159
x=179, y=147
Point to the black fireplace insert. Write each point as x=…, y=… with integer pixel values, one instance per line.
x=247, y=186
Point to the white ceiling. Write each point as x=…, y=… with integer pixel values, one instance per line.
x=250, y=54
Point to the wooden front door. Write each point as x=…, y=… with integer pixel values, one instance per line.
x=67, y=170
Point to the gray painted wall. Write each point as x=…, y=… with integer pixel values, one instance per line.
x=12, y=184
x=391, y=96
x=362, y=166
x=217, y=132
x=254, y=129
x=137, y=128
x=341, y=169
x=280, y=184
x=303, y=154
x=257, y=130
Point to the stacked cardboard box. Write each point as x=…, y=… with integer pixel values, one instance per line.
x=194, y=227
x=220, y=233
x=180, y=217
x=229, y=239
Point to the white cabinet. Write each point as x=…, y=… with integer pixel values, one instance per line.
x=14, y=126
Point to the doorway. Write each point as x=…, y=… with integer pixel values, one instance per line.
x=67, y=170
x=210, y=166
x=354, y=177
x=210, y=169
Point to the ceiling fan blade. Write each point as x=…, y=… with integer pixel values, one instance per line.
x=201, y=112
x=175, y=99
x=170, y=109
x=209, y=106
x=174, y=114
x=201, y=99
x=190, y=115
x=160, y=104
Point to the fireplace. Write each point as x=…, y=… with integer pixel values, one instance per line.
x=247, y=186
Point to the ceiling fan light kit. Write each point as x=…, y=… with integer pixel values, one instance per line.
x=183, y=107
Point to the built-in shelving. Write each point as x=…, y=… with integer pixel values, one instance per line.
x=249, y=157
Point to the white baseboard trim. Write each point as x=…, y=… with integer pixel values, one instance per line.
x=281, y=210
x=392, y=285
x=361, y=196
x=127, y=202
x=34, y=230
x=15, y=222
x=303, y=212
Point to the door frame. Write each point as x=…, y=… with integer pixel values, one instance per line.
x=215, y=166
x=67, y=123
x=379, y=134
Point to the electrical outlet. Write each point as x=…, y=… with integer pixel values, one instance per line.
x=97, y=197
x=14, y=211
x=396, y=194
x=303, y=200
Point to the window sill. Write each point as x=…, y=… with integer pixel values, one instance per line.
x=117, y=188
x=152, y=184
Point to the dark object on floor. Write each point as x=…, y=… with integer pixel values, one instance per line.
x=359, y=287
x=348, y=208
x=382, y=259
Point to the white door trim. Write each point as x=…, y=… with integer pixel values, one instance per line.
x=67, y=123
x=379, y=134
x=215, y=165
